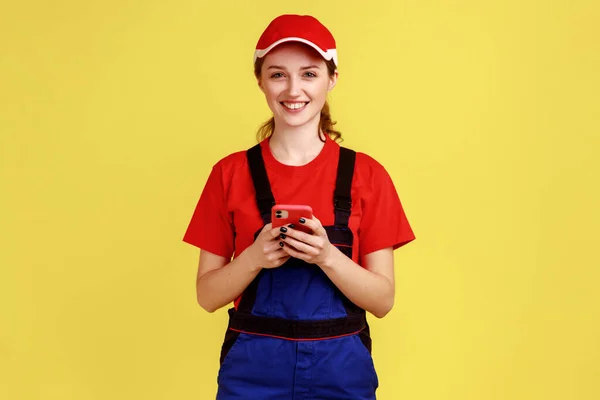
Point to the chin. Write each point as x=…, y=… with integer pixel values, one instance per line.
x=298, y=121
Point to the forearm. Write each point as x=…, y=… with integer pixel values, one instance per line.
x=221, y=286
x=368, y=290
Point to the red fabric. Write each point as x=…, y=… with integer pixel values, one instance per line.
x=227, y=204
x=298, y=26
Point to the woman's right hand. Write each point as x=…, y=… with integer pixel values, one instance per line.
x=266, y=252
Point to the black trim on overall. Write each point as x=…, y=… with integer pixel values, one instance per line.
x=296, y=329
x=262, y=187
x=265, y=201
x=342, y=198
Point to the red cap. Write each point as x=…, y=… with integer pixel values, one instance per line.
x=297, y=28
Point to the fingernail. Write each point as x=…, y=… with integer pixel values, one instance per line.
x=291, y=226
x=281, y=244
x=283, y=229
x=302, y=220
x=282, y=236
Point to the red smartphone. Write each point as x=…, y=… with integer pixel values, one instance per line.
x=285, y=214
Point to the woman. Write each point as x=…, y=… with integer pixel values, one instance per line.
x=298, y=327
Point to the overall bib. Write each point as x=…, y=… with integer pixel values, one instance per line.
x=294, y=335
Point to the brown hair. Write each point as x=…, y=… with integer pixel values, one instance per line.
x=326, y=123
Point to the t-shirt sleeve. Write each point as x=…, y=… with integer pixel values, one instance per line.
x=211, y=226
x=384, y=223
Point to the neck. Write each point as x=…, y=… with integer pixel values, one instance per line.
x=296, y=146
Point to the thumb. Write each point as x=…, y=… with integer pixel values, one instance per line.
x=267, y=227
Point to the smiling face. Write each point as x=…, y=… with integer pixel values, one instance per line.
x=295, y=80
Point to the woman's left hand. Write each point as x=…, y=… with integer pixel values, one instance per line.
x=314, y=249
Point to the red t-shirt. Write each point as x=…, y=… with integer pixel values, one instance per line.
x=227, y=217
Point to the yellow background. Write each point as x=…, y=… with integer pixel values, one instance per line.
x=486, y=114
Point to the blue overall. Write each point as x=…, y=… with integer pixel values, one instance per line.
x=294, y=335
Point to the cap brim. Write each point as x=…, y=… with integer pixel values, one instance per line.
x=330, y=54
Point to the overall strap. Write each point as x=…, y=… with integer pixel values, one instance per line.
x=342, y=200
x=262, y=187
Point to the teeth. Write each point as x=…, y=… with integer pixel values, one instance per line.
x=294, y=106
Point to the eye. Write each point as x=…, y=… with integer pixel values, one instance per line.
x=277, y=75
x=310, y=74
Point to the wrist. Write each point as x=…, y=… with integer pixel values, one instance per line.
x=248, y=259
x=331, y=260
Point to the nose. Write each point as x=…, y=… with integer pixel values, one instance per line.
x=294, y=87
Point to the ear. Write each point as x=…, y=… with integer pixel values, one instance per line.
x=260, y=85
x=333, y=81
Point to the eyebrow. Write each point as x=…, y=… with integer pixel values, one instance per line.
x=302, y=69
